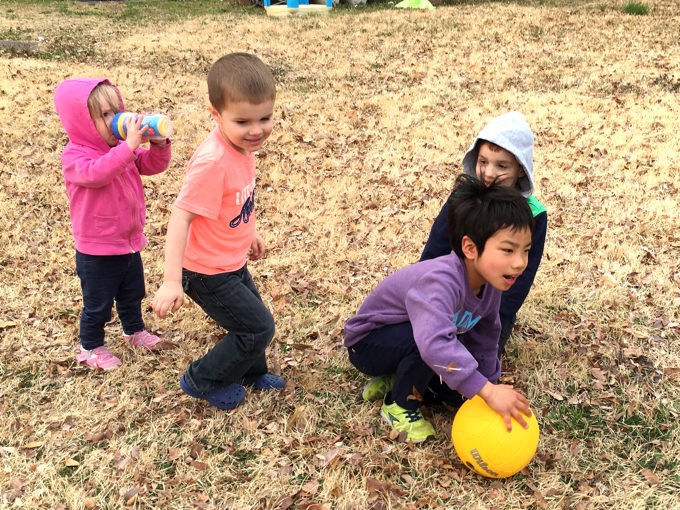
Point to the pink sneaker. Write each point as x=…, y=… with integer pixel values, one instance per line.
x=100, y=357
x=143, y=339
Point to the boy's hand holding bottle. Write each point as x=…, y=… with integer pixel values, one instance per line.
x=506, y=401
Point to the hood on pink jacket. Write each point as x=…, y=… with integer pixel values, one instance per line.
x=70, y=100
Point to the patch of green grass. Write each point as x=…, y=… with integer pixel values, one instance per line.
x=68, y=471
x=579, y=421
x=667, y=82
x=66, y=46
x=27, y=376
x=279, y=70
x=170, y=11
x=166, y=466
x=636, y=8
x=535, y=32
x=244, y=457
x=15, y=34
x=338, y=370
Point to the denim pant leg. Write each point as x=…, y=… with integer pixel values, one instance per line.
x=100, y=277
x=392, y=350
x=438, y=392
x=130, y=294
x=232, y=300
x=507, y=324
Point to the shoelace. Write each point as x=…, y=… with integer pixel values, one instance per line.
x=101, y=355
x=413, y=416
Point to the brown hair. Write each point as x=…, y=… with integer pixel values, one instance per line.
x=102, y=92
x=493, y=146
x=240, y=77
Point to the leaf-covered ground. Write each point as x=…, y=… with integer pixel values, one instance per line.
x=376, y=108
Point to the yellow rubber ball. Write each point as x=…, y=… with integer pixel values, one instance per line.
x=484, y=444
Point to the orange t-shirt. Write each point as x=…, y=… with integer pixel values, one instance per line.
x=219, y=187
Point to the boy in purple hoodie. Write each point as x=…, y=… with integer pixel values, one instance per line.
x=407, y=333
x=108, y=212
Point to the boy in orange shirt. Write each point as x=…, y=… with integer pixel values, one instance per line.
x=211, y=233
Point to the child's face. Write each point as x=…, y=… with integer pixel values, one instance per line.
x=103, y=122
x=244, y=125
x=497, y=165
x=503, y=260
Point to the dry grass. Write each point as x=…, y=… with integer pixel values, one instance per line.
x=374, y=113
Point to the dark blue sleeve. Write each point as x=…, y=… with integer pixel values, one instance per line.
x=438, y=243
x=513, y=298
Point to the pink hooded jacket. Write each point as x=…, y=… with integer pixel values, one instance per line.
x=103, y=183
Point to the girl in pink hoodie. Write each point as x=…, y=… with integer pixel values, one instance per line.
x=108, y=212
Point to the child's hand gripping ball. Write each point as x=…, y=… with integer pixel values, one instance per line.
x=485, y=446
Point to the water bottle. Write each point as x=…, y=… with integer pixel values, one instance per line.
x=159, y=123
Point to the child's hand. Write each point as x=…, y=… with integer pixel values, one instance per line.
x=256, y=247
x=507, y=402
x=169, y=297
x=135, y=132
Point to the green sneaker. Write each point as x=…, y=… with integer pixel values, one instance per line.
x=378, y=387
x=417, y=428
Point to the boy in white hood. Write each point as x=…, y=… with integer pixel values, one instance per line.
x=501, y=153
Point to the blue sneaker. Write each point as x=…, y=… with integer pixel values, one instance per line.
x=264, y=382
x=228, y=397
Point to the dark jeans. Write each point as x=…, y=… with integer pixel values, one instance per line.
x=103, y=279
x=392, y=350
x=231, y=300
x=507, y=324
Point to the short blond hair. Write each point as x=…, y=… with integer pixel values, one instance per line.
x=240, y=77
x=102, y=92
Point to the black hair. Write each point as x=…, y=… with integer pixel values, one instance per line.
x=478, y=211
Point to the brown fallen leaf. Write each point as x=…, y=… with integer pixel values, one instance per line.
x=71, y=463
x=196, y=464
x=174, y=453
x=451, y=367
x=327, y=459
x=651, y=478
x=310, y=487
x=129, y=495
x=285, y=502
x=415, y=396
x=95, y=437
x=34, y=444
x=165, y=345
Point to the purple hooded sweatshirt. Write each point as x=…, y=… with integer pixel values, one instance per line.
x=436, y=298
x=106, y=196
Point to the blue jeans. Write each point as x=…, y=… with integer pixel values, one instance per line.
x=231, y=300
x=507, y=325
x=103, y=279
x=393, y=350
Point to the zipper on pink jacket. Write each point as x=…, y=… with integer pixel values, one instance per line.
x=132, y=211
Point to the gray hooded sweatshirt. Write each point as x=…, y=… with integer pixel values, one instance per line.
x=511, y=132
